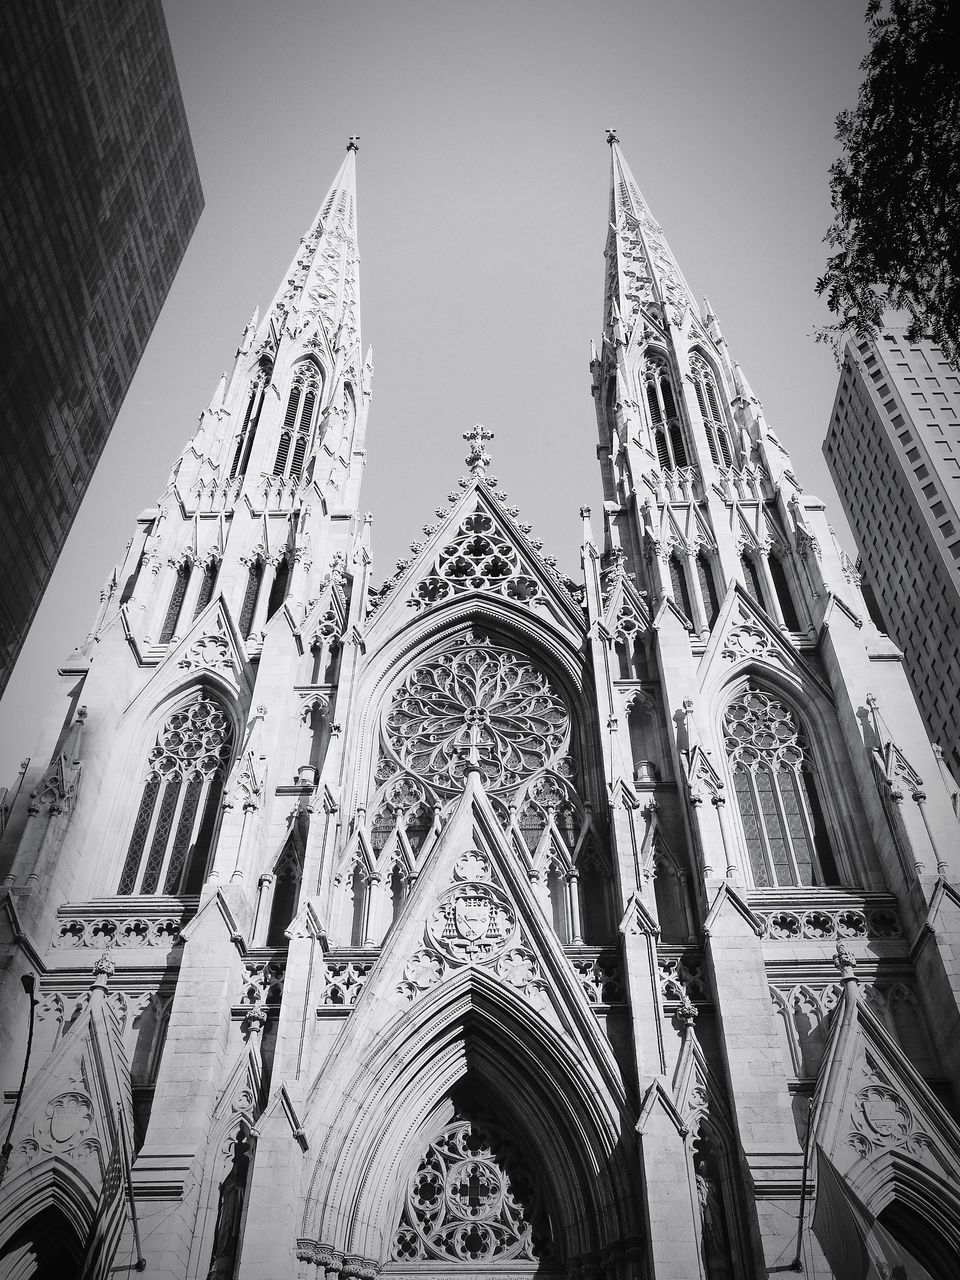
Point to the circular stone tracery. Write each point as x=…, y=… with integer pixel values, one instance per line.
x=477, y=702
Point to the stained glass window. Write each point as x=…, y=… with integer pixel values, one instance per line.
x=774, y=785
x=173, y=827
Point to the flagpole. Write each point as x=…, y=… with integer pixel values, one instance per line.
x=797, y=1263
x=28, y=982
x=141, y=1262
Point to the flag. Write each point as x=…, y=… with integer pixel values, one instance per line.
x=108, y=1219
x=854, y=1243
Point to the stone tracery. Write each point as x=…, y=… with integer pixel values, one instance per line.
x=477, y=702
x=472, y=1199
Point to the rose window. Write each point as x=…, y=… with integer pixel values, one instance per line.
x=478, y=703
x=776, y=796
x=472, y=1199
x=478, y=558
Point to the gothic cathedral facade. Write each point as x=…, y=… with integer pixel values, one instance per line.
x=481, y=923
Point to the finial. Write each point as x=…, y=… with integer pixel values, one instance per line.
x=612, y=137
x=353, y=142
x=478, y=459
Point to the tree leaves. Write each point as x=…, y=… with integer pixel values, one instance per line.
x=895, y=190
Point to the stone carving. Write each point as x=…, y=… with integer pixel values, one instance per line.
x=262, y=982
x=682, y=977
x=212, y=651
x=747, y=639
x=343, y=982
x=479, y=557
x=476, y=702
x=882, y=1119
x=472, y=921
x=473, y=1199
x=601, y=977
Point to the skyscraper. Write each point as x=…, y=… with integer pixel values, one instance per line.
x=481, y=923
x=893, y=448
x=99, y=198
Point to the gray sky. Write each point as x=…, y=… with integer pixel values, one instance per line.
x=482, y=180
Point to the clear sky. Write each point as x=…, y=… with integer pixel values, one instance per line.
x=482, y=176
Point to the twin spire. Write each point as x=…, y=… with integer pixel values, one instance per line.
x=642, y=273
x=322, y=284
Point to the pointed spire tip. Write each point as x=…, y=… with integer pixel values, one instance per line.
x=353, y=142
x=612, y=137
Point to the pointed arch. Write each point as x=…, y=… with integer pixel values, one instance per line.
x=776, y=790
x=665, y=424
x=172, y=834
x=306, y=389
x=470, y=1030
x=711, y=401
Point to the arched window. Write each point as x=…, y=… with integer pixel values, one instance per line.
x=709, y=401
x=286, y=895
x=784, y=598
x=678, y=586
x=172, y=617
x=359, y=905
x=775, y=789
x=248, y=430
x=297, y=421
x=751, y=578
x=209, y=581
x=281, y=584
x=250, y=595
x=174, y=828
x=664, y=419
x=708, y=587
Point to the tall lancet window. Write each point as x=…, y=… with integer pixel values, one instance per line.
x=297, y=421
x=174, y=828
x=248, y=430
x=172, y=616
x=664, y=419
x=714, y=421
x=775, y=788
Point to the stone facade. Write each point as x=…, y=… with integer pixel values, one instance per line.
x=483, y=922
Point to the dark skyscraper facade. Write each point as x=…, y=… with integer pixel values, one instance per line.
x=99, y=195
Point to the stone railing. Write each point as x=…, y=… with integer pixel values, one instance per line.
x=827, y=916
x=124, y=922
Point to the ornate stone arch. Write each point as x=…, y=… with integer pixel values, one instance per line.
x=39, y=1188
x=469, y=1029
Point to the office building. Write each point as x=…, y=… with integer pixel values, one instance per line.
x=99, y=197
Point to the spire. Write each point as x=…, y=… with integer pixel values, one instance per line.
x=641, y=270
x=321, y=286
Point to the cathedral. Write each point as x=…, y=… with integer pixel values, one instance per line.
x=482, y=923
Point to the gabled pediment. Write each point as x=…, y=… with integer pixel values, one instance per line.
x=474, y=911
x=477, y=548
x=71, y=1106
x=212, y=646
x=744, y=633
x=875, y=1116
